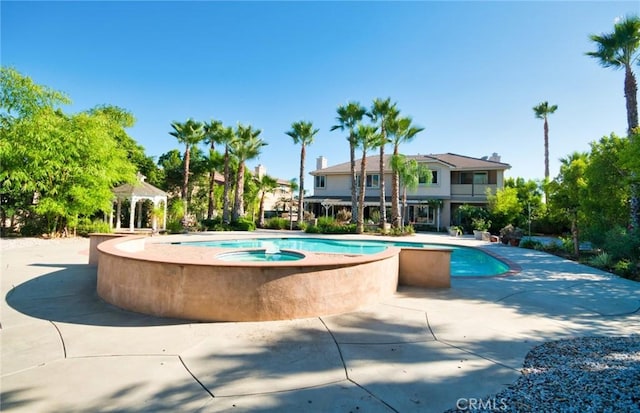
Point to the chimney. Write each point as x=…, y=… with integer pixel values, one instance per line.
x=495, y=157
x=321, y=162
x=260, y=171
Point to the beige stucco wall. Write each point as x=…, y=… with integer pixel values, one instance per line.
x=155, y=281
x=429, y=268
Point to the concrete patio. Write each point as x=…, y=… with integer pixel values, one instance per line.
x=63, y=349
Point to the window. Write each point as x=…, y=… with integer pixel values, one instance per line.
x=426, y=214
x=424, y=179
x=477, y=178
x=319, y=181
x=373, y=181
x=480, y=178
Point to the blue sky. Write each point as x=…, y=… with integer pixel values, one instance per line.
x=468, y=72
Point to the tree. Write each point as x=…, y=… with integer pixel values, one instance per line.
x=246, y=147
x=382, y=113
x=227, y=138
x=212, y=135
x=293, y=187
x=366, y=138
x=302, y=133
x=401, y=130
x=348, y=118
x=189, y=133
x=621, y=50
x=569, y=189
x=607, y=191
x=266, y=185
x=542, y=111
x=410, y=172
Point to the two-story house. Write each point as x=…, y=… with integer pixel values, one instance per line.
x=456, y=180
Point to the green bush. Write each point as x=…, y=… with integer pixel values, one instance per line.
x=175, y=227
x=243, y=224
x=277, y=223
x=86, y=227
x=531, y=244
x=327, y=225
x=210, y=224
x=622, y=244
x=602, y=261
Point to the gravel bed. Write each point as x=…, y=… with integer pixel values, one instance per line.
x=591, y=374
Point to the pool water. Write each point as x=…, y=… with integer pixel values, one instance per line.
x=465, y=261
x=260, y=255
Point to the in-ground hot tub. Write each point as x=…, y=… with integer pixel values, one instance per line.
x=194, y=283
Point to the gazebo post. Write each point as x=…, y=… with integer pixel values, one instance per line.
x=139, y=208
x=164, y=223
x=132, y=213
x=118, y=214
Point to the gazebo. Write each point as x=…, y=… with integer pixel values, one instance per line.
x=137, y=192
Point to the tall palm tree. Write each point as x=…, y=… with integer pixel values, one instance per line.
x=382, y=113
x=348, y=118
x=266, y=185
x=302, y=133
x=190, y=133
x=212, y=132
x=410, y=172
x=227, y=138
x=246, y=147
x=293, y=187
x=367, y=138
x=401, y=130
x=542, y=111
x=620, y=50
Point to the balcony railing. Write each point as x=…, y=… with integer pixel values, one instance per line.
x=473, y=190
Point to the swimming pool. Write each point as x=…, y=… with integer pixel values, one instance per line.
x=465, y=261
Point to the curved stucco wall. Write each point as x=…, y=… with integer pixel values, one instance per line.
x=189, y=283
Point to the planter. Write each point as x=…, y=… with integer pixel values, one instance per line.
x=514, y=242
x=477, y=234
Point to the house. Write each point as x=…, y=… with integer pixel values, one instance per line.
x=279, y=200
x=456, y=180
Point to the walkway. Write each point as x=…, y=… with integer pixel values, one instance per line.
x=63, y=349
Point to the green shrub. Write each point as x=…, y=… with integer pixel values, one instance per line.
x=622, y=244
x=602, y=260
x=277, y=223
x=302, y=226
x=210, y=224
x=531, y=244
x=243, y=224
x=624, y=268
x=85, y=228
x=175, y=226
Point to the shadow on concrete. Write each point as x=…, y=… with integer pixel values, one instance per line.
x=69, y=295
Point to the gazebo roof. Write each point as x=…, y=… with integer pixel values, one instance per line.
x=140, y=189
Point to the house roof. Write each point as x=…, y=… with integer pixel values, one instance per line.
x=453, y=161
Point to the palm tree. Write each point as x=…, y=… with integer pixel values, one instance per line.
x=401, y=130
x=190, y=133
x=293, y=187
x=618, y=50
x=348, y=118
x=302, y=132
x=410, y=172
x=212, y=132
x=367, y=138
x=266, y=184
x=382, y=113
x=227, y=138
x=247, y=146
x=542, y=111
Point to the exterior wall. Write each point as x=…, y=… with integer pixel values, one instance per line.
x=429, y=268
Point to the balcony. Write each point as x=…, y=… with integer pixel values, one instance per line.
x=472, y=190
